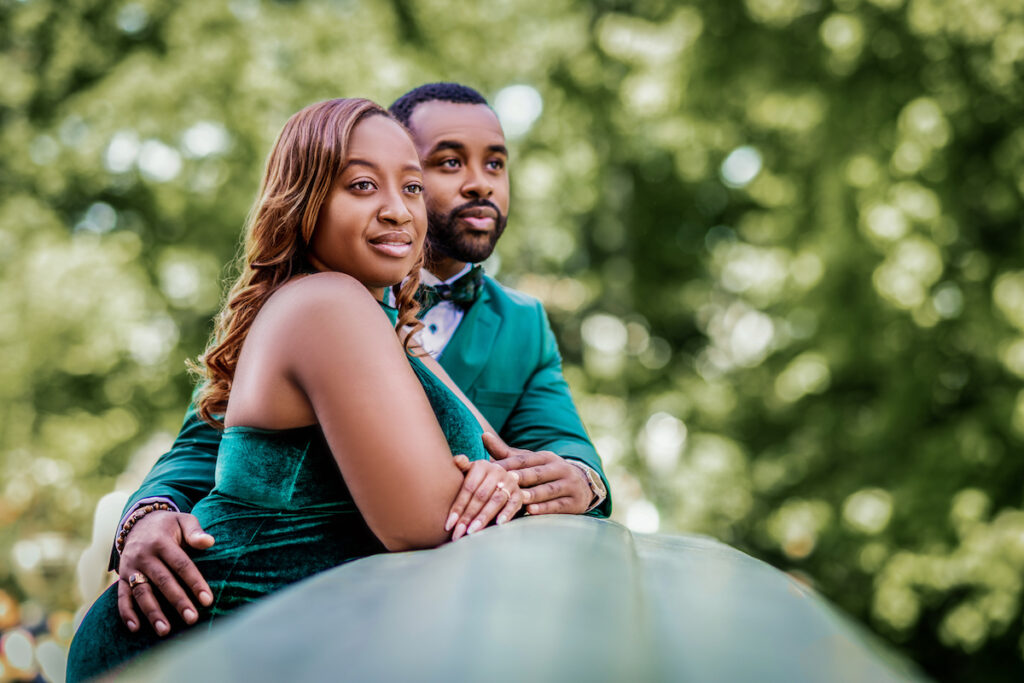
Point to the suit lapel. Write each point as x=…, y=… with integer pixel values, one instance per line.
x=470, y=347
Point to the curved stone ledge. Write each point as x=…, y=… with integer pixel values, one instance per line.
x=554, y=598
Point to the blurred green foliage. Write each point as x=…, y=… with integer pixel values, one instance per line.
x=780, y=242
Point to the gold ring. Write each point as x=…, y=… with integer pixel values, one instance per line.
x=136, y=579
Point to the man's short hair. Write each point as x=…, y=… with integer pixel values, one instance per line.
x=405, y=105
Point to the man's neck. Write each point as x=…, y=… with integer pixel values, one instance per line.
x=445, y=267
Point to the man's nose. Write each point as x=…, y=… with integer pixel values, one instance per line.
x=478, y=185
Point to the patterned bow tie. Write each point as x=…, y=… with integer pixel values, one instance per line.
x=463, y=292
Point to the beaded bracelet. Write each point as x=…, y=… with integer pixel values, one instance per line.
x=132, y=519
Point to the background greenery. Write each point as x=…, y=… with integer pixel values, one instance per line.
x=780, y=242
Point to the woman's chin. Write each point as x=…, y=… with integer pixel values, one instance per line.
x=385, y=280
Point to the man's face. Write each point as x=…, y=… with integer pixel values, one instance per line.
x=462, y=149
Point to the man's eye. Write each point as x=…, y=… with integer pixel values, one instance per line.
x=450, y=163
x=496, y=164
x=414, y=188
x=362, y=186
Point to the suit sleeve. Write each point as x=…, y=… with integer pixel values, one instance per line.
x=184, y=474
x=545, y=418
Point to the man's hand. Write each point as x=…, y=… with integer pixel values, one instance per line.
x=154, y=550
x=550, y=484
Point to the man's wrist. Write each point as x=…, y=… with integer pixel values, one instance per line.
x=594, y=483
x=152, y=500
x=122, y=536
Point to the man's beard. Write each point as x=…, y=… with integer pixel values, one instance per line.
x=445, y=240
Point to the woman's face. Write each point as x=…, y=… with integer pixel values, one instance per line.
x=372, y=224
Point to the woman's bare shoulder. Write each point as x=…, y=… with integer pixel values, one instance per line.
x=326, y=284
x=321, y=294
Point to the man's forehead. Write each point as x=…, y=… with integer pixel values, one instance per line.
x=436, y=120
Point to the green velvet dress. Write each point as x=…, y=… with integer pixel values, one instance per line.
x=280, y=512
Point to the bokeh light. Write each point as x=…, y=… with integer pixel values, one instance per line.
x=518, y=107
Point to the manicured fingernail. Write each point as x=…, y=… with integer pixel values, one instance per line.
x=460, y=530
x=515, y=475
x=132, y=626
x=527, y=496
x=452, y=518
x=161, y=628
x=475, y=526
x=205, y=598
x=502, y=519
x=189, y=615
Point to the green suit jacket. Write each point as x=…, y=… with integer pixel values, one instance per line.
x=503, y=355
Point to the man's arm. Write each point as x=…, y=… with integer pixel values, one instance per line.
x=183, y=475
x=154, y=549
x=545, y=418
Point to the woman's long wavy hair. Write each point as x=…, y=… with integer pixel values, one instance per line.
x=301, y=169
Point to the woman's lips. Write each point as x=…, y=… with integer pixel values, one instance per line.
x=392, y=249
x=397, y=245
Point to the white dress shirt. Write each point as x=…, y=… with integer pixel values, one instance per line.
x=441, y=321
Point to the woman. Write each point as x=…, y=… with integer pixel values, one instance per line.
x=338, y=440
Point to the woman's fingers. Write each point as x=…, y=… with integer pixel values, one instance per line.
x=482, y=495
x=474, y=476
x=512, y=505
x=488, y=491
x=504, y=502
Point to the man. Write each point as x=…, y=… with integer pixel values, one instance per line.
x=495, y=343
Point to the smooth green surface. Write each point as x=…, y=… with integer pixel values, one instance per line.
x=548, y=599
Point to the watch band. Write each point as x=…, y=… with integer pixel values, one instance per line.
x=597, y=487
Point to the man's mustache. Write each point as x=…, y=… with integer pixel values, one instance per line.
x=474, y=204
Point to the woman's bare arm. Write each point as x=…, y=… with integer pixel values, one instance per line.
x=323, y=340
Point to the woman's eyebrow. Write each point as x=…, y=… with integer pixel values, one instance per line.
x=360, y=162
x=369, y=164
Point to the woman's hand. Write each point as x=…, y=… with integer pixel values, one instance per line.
x=487, y=491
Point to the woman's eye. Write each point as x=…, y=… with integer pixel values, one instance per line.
x=362, y=186
x=414, y=188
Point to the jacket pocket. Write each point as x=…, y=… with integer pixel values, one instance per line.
x=496, y=406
